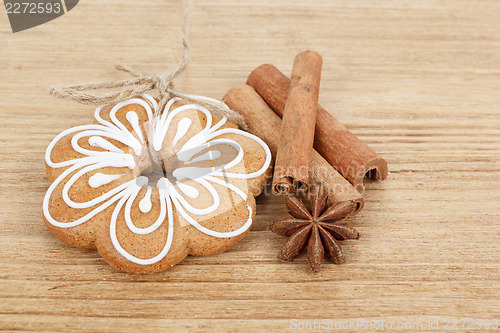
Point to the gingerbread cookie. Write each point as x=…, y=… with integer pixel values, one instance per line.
x=147, y=191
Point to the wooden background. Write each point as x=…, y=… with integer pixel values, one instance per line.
x=418, y=80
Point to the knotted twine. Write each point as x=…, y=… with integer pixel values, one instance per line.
x=141, y=84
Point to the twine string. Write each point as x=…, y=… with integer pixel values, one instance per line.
x=140, y=84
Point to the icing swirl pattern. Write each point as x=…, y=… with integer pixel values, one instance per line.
x=119, y=145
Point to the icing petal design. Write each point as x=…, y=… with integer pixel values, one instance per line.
x=200, y=161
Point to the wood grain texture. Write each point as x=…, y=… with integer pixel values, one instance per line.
x=417, y=80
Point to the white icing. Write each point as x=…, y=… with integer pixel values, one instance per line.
x=188, y=190
x=145, y=204
x=133, y=191
x=97, y=141
x=133, y=119
x=182, y=128
x=100, y=179
x=123, y=252
x=125, y=193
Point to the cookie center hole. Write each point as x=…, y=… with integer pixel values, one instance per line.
x=154, y=167
x=153, y=177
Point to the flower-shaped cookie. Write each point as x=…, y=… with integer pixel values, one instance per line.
x=147, y=192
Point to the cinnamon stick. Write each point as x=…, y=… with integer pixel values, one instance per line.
x=348, y=154
x=264, y=123
x=291, y=170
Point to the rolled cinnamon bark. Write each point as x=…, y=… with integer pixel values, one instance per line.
x=291, y=170
x=348, y=154
x=264, y=123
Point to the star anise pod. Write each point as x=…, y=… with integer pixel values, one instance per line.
x=317, y=228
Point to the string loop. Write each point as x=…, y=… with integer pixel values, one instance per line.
x=140, y=84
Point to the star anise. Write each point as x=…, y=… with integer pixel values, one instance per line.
x=317, y=228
